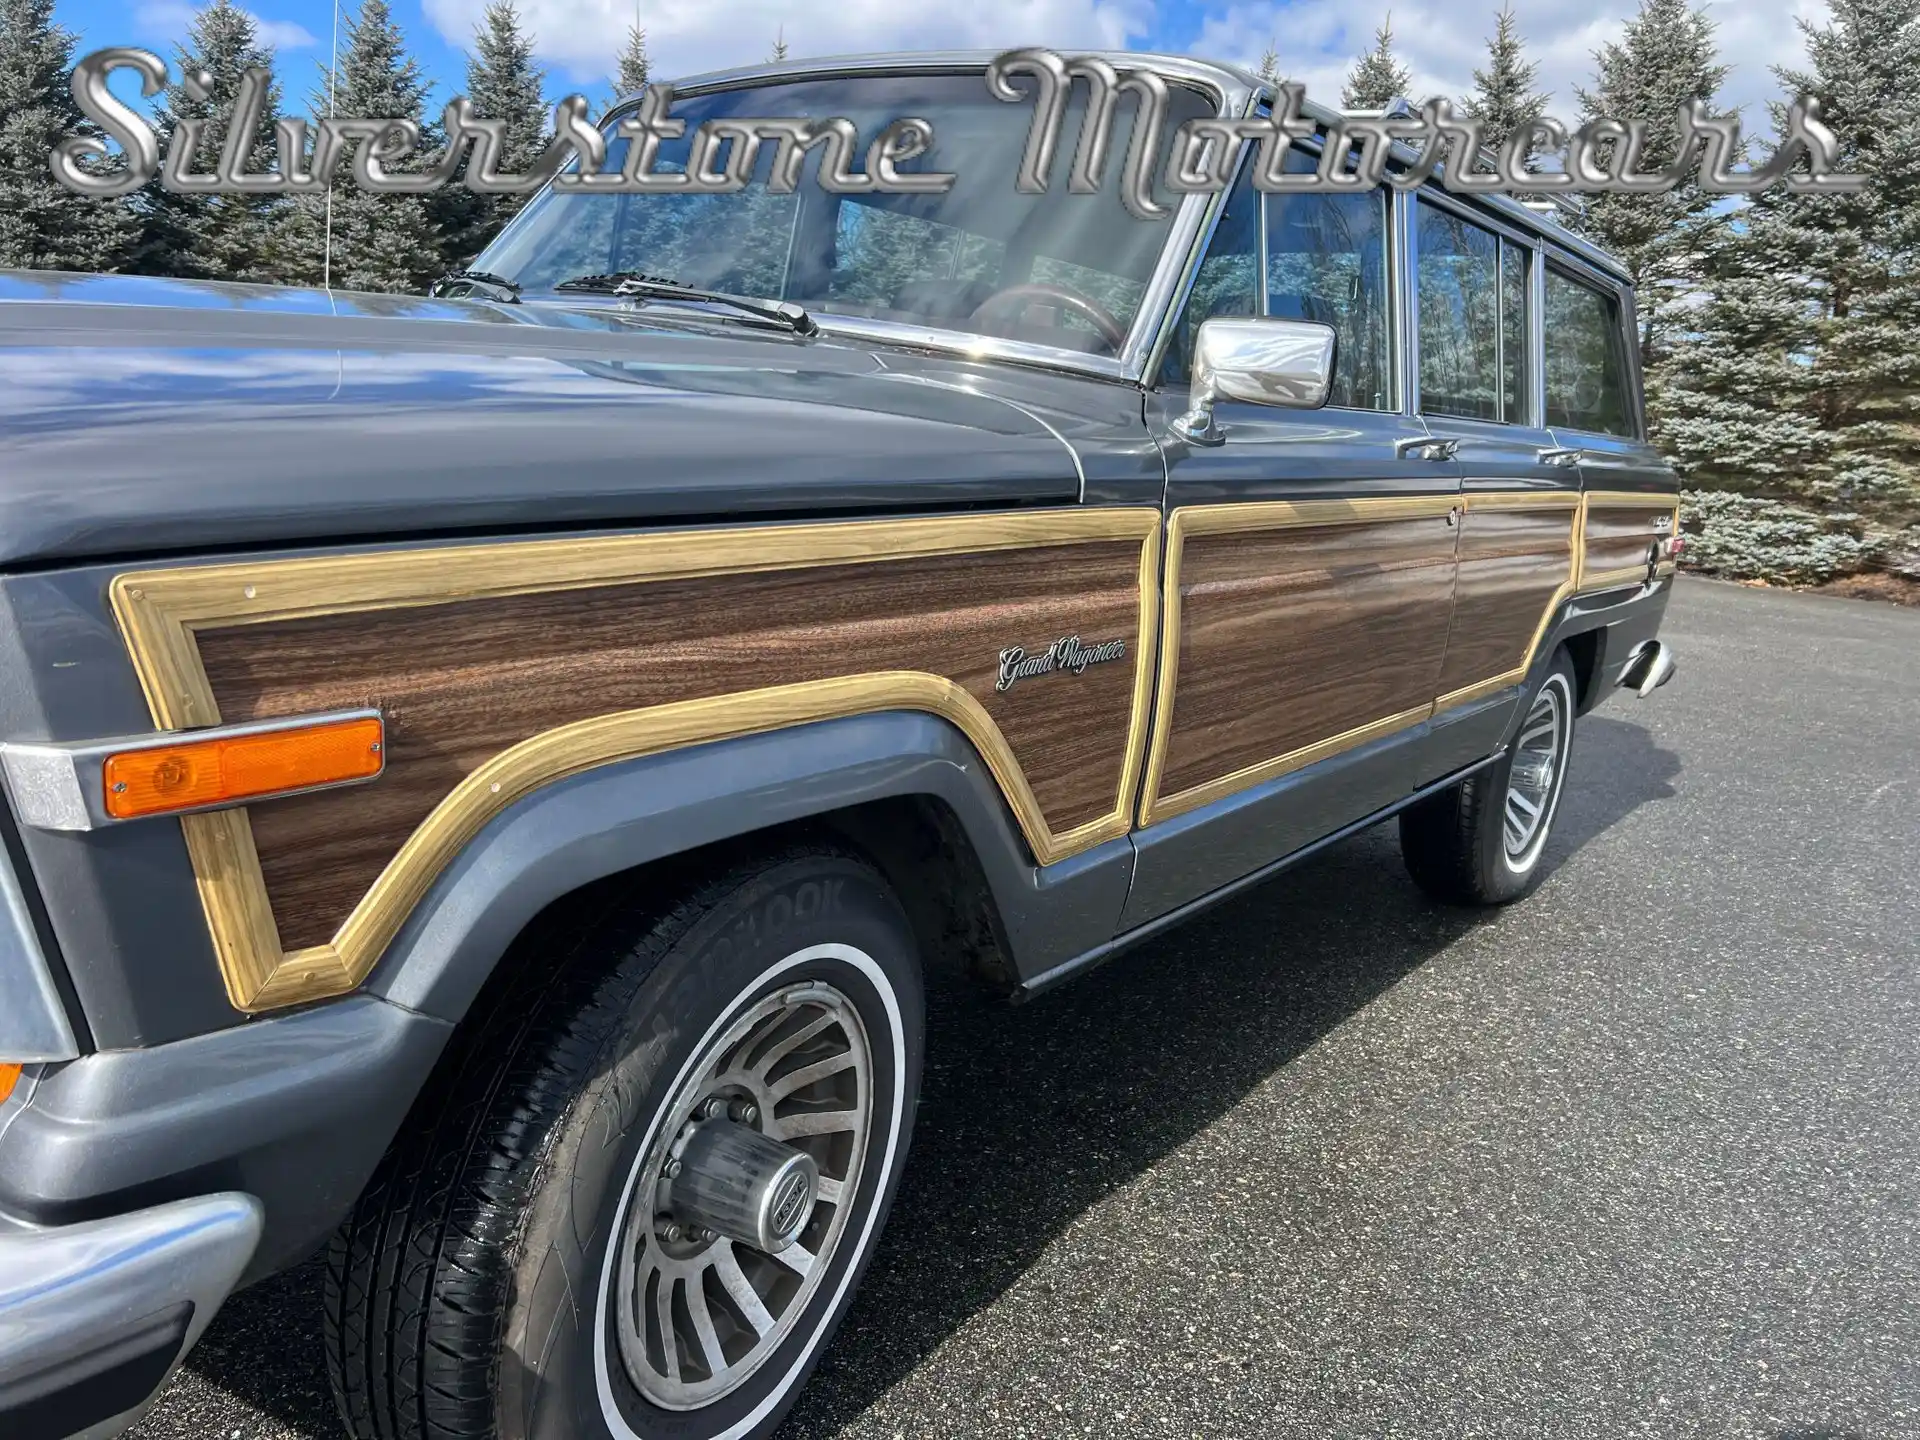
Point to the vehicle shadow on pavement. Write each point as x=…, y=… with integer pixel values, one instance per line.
x=1616, y=767
x=1032, y=1114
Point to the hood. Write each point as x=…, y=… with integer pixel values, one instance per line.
x=141, y=415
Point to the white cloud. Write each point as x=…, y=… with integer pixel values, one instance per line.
x=284, y=34
x=167, y=20
x=1318, y=40
x=688, y=36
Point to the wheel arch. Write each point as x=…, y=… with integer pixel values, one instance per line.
x=906, y=789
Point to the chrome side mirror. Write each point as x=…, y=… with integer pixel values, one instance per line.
x=1260, y=361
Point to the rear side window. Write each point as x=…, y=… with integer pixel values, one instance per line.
x=1472, y=297
x=1586, y=359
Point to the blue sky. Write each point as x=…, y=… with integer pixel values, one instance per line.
x=1316, y=39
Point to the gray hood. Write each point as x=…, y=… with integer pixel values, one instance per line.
x=141, y=415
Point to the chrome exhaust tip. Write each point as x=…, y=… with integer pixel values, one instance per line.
x=1649, y=667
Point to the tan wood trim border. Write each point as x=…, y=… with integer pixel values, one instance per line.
x=160, y=611
x=1281, y=514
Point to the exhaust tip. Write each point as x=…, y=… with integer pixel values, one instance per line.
x=1649, y=667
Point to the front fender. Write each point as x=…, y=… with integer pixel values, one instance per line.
x=614, y=817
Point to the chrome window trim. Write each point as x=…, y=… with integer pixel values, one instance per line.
x=33, y=1019
x=56, y=785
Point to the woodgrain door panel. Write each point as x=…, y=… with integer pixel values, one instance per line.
x=1300, y=629
x=1516, y=564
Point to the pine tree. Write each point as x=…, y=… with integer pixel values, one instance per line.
x=1269, y=70
x=1503, y=98
x=633, y=66
x=1857, y=256
x=378, y=241
x=504, y=84
x=1798, y=378
x=1377, y=76
x=44, y=225
x=779, y=52
x=221, y=237
x=1666, y=57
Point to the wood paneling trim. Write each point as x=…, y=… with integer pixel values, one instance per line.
x=1246, y=518
x=160, y=613
x=1255, y=516
x=1616, y=537
x=1478, y=619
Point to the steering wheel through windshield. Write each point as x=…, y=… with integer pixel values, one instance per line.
x=1015, y=298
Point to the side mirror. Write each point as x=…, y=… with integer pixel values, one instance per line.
x=1260, y=361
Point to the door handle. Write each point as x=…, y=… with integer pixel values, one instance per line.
x=1426, y=449
x=1562, y=458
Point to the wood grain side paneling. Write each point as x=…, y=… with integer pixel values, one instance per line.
x=1515, y=562
x=1289, y=637
x=496, y=664
x=462, y=681
x=1619, y=534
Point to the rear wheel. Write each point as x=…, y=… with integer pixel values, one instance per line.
x=640, y=1197
x=1481, y=841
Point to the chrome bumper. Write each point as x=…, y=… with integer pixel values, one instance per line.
x=93, y=1317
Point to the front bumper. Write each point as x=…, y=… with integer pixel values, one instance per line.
x=93, y=1317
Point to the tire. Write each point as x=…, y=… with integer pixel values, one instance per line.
x=1458, y=844
x=478, y=1290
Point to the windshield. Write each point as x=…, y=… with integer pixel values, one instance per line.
x=927, y=260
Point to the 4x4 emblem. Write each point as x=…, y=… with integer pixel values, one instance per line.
x=1067, y=653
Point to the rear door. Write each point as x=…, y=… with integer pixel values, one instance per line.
x=1593, y=407
x=1310, y=563
x=1476, y=296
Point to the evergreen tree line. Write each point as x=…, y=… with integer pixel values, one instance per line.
x=1779, y=334
x=352, y=239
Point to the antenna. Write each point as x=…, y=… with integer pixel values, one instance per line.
x=333, y=76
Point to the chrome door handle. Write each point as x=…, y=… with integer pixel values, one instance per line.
x=1562, y=458
x=1426, y=449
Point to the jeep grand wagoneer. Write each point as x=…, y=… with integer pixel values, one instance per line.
x=486, y=773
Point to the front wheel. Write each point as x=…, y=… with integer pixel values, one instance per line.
x=641, y=1196
x=1481, y=841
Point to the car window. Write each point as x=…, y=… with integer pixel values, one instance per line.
x=1228, y=281
x=930, y=260
x=1327, y=261
x=1514, y=301
x=1586, y=359
x=1460, y=297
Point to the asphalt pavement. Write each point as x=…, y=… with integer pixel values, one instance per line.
x=1637, y=1157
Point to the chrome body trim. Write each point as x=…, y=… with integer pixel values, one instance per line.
x=56, y=786
x=69, y=1293
x=33, y=1020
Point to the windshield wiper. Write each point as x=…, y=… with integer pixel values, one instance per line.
x=509, y=291
x=632, y=285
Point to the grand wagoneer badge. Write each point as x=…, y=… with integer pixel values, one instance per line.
x=1067, y=653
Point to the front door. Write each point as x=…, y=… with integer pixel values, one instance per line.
x=1309, y=568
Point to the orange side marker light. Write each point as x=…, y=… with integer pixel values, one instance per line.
x=196, y=774
x=9, y=1077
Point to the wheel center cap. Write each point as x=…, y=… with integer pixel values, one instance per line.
x=745, y=1185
